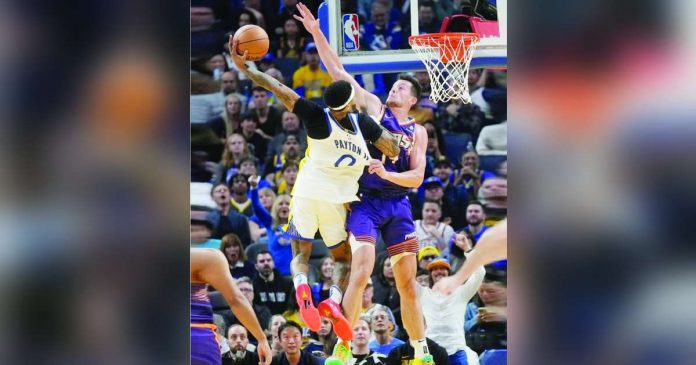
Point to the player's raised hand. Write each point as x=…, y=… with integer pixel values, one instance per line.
x=376, y=167
x=307, y=19
x=239, y=60
x=264, y=352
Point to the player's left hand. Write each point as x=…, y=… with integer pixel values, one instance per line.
x=376, y=167
x=264, y=352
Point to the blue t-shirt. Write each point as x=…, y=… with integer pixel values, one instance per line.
x=385, y=349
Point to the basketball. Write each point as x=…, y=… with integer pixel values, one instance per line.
x=253, y=39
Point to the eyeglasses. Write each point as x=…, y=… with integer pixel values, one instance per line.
x=429, y=257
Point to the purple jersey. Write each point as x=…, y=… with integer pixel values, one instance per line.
x=372, y=182
x=205, y=350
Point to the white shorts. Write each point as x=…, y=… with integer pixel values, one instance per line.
x=309, y=215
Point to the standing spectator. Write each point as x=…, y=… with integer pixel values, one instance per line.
x=382, y=327
x=253, y=138
x=292, y=41
x=231, y=119
x=486, y=322
x=290, y=334
x=309, y=80
x=273, y=289
x=290, y=125
x=432, y=232
x=278, y=244
x=236, y=257
x=226, y=220
x=361, y=350
x=240, y=195
x=385, y=284
x=320, y=289
x=443, y=314
x=239, y=354
x=269, y=118
x=236, y=149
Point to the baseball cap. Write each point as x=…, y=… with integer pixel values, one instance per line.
x=439, y=263
x=310, y=46
x=443, y=161
x=433, y=180
x=427, y=251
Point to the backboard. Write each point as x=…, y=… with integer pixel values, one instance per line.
x=490, y=52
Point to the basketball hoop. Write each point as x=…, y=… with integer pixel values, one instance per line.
x=446, y=57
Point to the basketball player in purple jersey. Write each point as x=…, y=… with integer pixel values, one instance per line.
x=384, y=205
x=209, y=266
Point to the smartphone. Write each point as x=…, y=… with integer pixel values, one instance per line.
x=483, y=310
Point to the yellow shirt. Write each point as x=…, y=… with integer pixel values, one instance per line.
x=313, y=82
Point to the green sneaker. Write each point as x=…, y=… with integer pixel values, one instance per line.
x=426, y=360
x=341, y=355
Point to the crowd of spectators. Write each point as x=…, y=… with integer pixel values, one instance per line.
x=240, y=131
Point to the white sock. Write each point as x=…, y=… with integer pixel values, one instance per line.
x=299, y=279
x=421, y=348
x=335, y=294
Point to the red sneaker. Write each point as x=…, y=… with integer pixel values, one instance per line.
x=309, y=314
x=329, y=309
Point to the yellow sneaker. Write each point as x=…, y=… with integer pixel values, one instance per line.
x=341, y=355
x=426, y=360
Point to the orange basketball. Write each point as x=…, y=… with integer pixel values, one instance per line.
x=253, y=39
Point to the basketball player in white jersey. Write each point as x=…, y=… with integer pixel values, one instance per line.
x=336, y=156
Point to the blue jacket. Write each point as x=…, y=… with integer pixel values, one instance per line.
x=278, y=244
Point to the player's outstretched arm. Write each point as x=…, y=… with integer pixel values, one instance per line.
x=365, y=101
x=211, y=267
x=491, y=247
x=412, y=178
x=286, y=95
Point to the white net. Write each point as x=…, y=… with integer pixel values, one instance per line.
x=446, y=57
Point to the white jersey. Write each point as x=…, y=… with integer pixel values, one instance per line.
x=330, y=170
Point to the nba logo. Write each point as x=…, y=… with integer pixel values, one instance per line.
x=351, y=36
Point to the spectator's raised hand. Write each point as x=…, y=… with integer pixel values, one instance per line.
x=462, y=241
x=254, y=181
x=307, y=19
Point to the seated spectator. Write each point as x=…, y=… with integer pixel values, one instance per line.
x=289, y=177
x=261, y=311
x=385, y=284
x=249, y=17
x=493, y=196
x=321, y=342
x=269, y=118
x=253, y=138
x=292, y=41
x=493, y=140
x=360, y=347
x=236, y=257
x=469, y=176
x=290, y=125
x=426, y=255
x=273, y=290
x=290, y=152
x=254, y=6
x=486, y=319
x=428, y=21
x=320, y=289
x=226, y=220
x=278, y=244
x=236, y=149
x=382, y=33
x=240, y=201
x=266, y=198
x=201, y=230
x=382, y=327
x=443, y=314
x=310, y=81
x=290, y=334
x=231, y=119
x=240, y=352
x=273, y=325
x=432, y=232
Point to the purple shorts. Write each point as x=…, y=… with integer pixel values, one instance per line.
x=205, y=349
x=390, y=216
